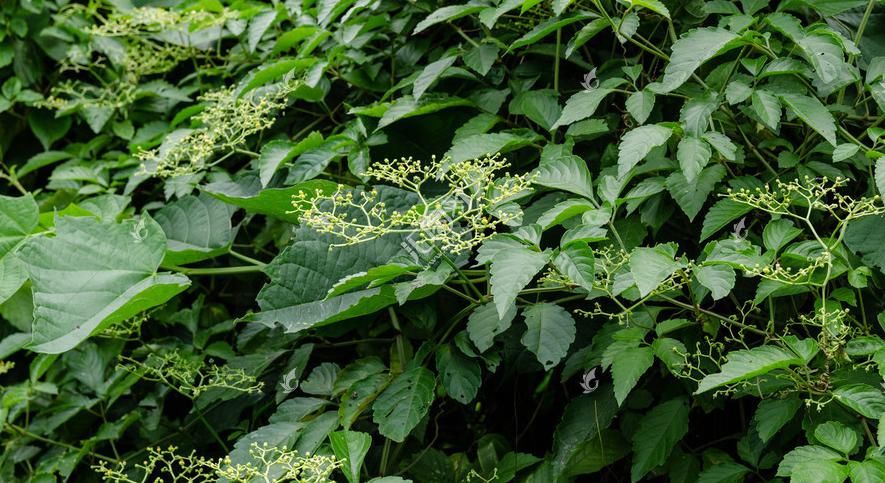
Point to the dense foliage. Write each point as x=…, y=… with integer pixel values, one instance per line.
x=493, y=241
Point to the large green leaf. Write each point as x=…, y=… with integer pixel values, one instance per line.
x=461, y=376
x=485, y=323
x=814, y=113
x=584, y=418
x=511, y=270
x=405, y=401
x=352, y=448
x=482, y=145
x=431, y=74
x=722, y=213
x=550, y=330
x=196, y=228
x=651, y=266
x=629, y=365
x=568, y=173
x=719, y=279
x=583, y=104
x=636, y=144
x=692, y=50
x=91, y=275
x=246, y=193
x=659, y=431
x=693, y=154
x=772, y=414
x=863, y=398
x=18, y=217
x=577, y=263
x=692, y=196
x=749, y=363
x=864, y=236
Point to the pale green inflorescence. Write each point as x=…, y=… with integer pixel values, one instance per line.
x=454, y=222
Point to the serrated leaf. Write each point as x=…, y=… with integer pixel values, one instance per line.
x=651, y=266
x=636, y=144
x=748, y=363
x=692, y=196
x=461, y=376
x=196, y=228
x=721, y=144
x=844, y=151
x=692, y=50
x=837, y=436
x=511, y=270
x=719, y=279
x=772, y=414
x=640, y=105
x=550, y=330
x=814, y=113
x=446, y=14
x=351, y=447
x=659, y=431
x=767, y=107
x=869, y=471
x=485, y=323
x=277, y=153
x=630, y=364
x=547, y=27
x=583, y=104
x=812, y=463
x=737, y=92
x=563, y=211
x=404, y=403
x=568, y=173
x=430, y=74
x=880, y=176
x=576, y=262
x=721, y=214
x=653, y=5
x=693, y=155
x=111, y=267
x=481, y=145
x=724, y=472
x=866, y=400
x=247, y=193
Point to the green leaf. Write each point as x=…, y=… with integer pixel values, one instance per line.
x=719, y=279
x=13, y=274
x=576, y=262
x=583, y=104
x=48, y=128
x=837, y=436
x=277, y=153
x=246, y=193
x=777, y=233
x=866, y=400
x=587, y=32
x=258, y=26
x=653, y=5
x=407, y=106
x=584, y=418
x=404, y=403
x=721, y=214
x=595, y=454
x=659, y=431
x=430, y=74
x=550, y=330
x=724, y=472
x=869, y=471
x=749, y=363
x=112, y=269
x=18, y=218
x=563, y=211
x=567, y=173
x=511, y=270
x=482, y=57
x=636, y=144
x=772, y=414
x=692, y=196
x=547, y=27
x=352, y=448
x=692, y=50
x=811, y=464
x=461, y=376
x=481, y=145
x=196, y=228
x=446, y=14
x=693, y=155
x=651, y=266
x=485, y=323
x=737, y=92
x=630, y=364
x=767, y=106
x=845, y=151
x=814, y=113
x=640, y=105
x=880, y=176
x=541, y=107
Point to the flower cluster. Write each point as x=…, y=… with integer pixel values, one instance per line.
x=456, y=221
x=814, y=194
x=225, y=123
x=270, y=464
x=189, y=375
x=152, y=20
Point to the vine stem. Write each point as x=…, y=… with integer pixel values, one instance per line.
x=217, y=270
x=714, y=314
x=25, y=432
